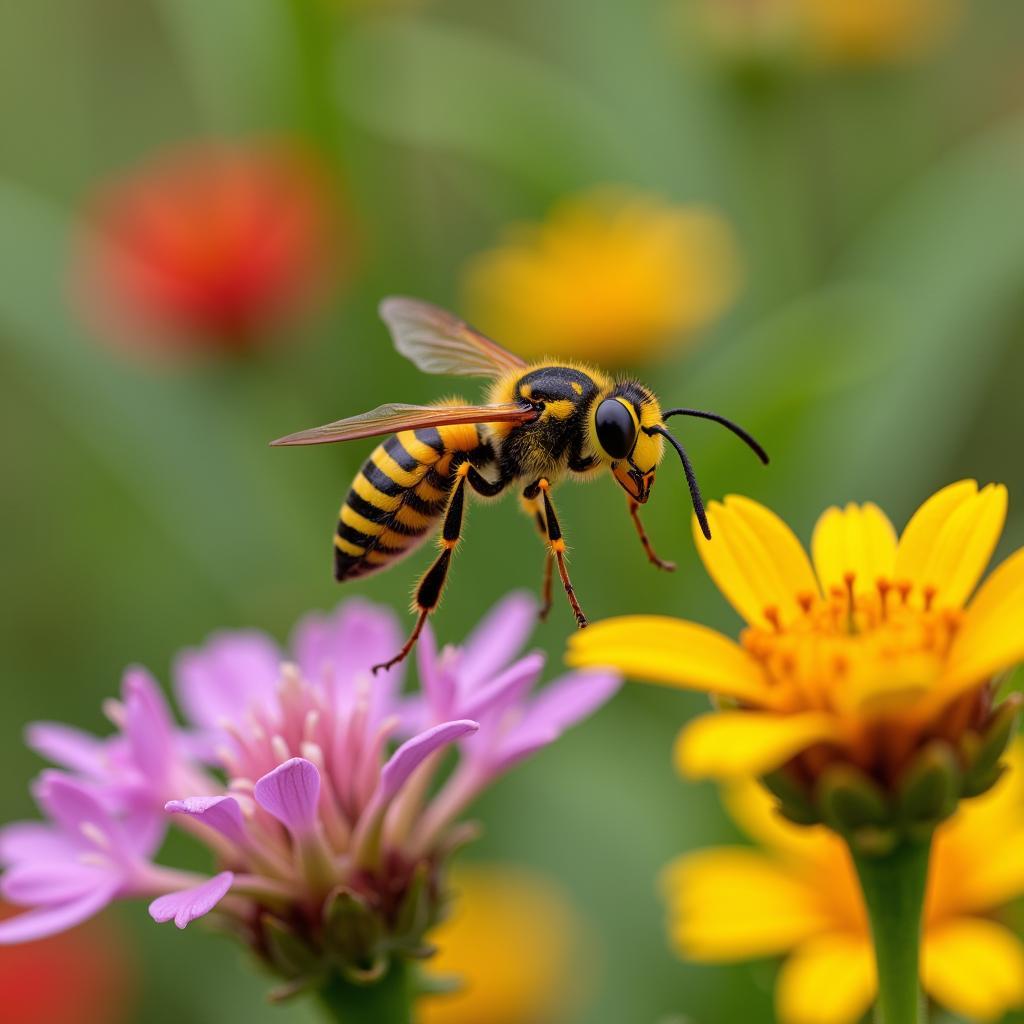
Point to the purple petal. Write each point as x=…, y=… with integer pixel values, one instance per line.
x=67, y=746
x=497, y=639
x=69, y=802
x=560, y=706
x=35, y=841
x=62, y=881
x=347, y=643
x=437, y=683
x=220, y=813
x=188, y=904
x=505, y=688
x=41, y=923
x=290, y=793
x=224, y=677
x=149, y=727
x=572, y=698
x=411, y=754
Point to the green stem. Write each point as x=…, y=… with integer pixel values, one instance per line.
x=388, y=1001
x=894, y=889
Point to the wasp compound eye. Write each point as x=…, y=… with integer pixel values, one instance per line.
x=616, y=430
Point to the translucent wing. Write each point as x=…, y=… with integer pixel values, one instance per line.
x=388, y=419
x=439, y=342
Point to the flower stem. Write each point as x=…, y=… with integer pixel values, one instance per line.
x=894, y=889
x=388, y=1001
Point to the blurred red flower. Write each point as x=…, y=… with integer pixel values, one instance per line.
x=206, y=247
x=79, y=977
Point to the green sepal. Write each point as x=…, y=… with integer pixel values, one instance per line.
x=354, y=935
x=930, y=789
x=795, y=802
x=289, y=955
x=849, y=801
x=982, y=752
x=415, y=915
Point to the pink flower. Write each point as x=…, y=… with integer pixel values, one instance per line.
x=329, y=829
x=208, y=247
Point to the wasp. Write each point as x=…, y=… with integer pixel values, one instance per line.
x=541, y=422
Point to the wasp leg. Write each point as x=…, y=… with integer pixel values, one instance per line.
x=428, y=593
x=556, y=545
x=652, y=555
x=531, y=506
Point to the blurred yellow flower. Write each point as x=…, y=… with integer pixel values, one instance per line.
x=862, y=667
x=510, y=941
x=799, y=897
x=875, y=31
x=611, y=275
x=837, y=32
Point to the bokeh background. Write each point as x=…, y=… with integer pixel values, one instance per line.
x=863, y=172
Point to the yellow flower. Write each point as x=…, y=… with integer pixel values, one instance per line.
x=865, y=658
x=875, y=31
x=510, y=942
x=836, y=32
x=799, y=897
x=612, y=276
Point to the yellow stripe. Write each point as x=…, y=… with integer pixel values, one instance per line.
x=390, y=468
x=369, y=493
x=352, y=518
x=459, y=437
x=561, y=409
x=416, y=448
x=427, y=493
x=379, y=557
x=348, y=547
x=390, y=539
x=411, y=518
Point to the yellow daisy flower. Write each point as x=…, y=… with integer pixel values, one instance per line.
x=611, y=275
x=509, y=944
x=799, y=897
x=866, y=672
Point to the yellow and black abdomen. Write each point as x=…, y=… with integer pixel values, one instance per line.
x=397, y=498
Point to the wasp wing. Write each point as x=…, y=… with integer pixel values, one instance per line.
x=437, y=341
x=389, y=419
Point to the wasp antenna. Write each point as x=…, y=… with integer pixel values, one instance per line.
x=728, y=424
x=691, y=478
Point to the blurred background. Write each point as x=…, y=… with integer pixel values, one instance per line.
x=804, y=214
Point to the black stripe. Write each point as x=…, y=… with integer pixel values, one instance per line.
x=343, y=562
x=431, y=438
x=438, y=482
x=366, y=508
x=400, y=454
x=421, y=505
x=380, y=480
x=354, y=536
x=404, y=530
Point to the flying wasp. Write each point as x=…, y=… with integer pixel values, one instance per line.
x=541, y=421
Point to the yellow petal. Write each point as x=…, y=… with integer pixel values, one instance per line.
x=755, y=559
x=973, y=967
x=673, y=652
x=991, y=638
x=756, y=811
x=859, y=540
x=829, y=980
x=950, y=539
x=732, y=903
x=732, y=744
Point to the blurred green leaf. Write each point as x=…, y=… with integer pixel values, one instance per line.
x=439, y=86
x=189, y=455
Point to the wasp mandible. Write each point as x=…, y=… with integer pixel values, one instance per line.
x=542, y=421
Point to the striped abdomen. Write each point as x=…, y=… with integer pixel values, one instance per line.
x=397, y=498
